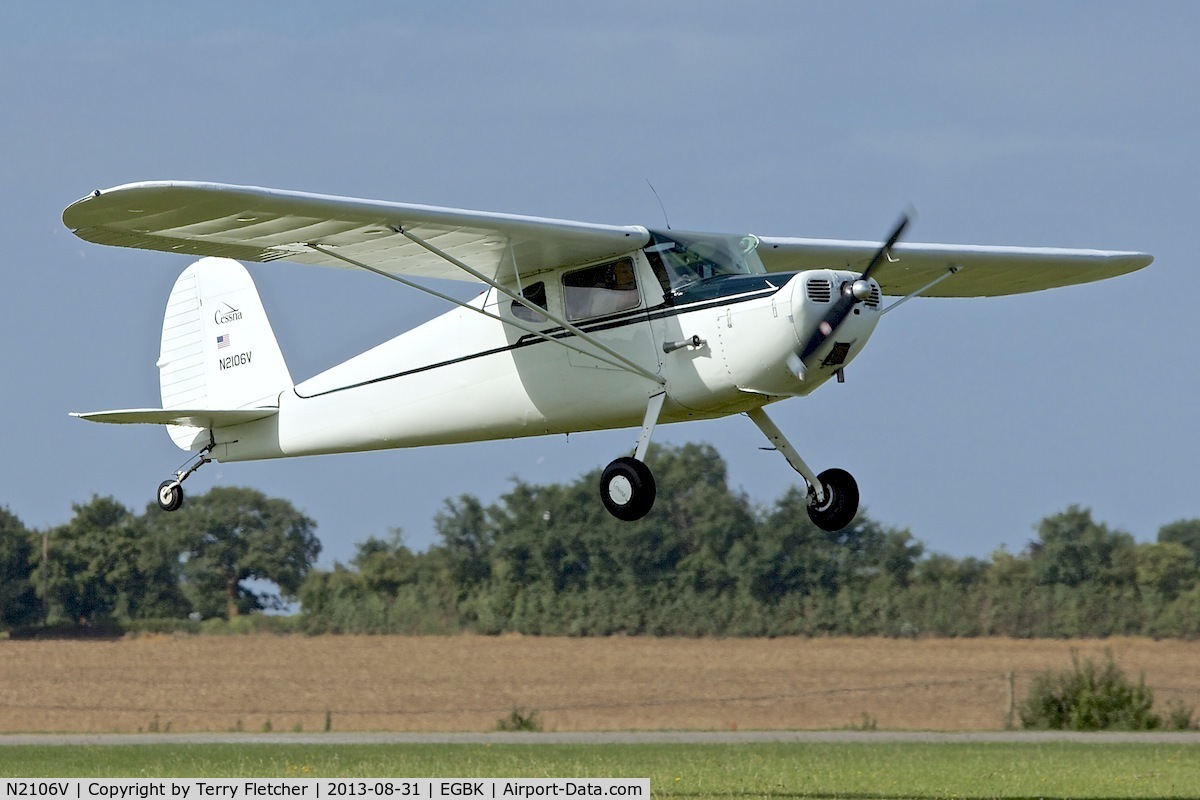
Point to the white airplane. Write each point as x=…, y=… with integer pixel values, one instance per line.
x=580, y=326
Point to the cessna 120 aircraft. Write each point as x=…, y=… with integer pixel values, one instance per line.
x=580, y=326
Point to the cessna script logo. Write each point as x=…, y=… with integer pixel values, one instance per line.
x=227, y=314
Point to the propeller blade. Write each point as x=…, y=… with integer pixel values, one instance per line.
x=827, y=327
x=882, y=252
x=847, y=299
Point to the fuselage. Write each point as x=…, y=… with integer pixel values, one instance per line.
x=698, y=313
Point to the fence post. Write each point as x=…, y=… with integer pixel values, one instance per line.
x=1010, y=710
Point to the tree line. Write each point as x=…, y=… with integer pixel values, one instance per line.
x=547, y=559
x=109, y=566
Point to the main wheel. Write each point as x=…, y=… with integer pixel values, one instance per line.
x=841, y=501
x=170, y=495
x=627, y=489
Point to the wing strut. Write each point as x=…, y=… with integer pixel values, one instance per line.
x=953, y=269
x=625, y=362
x=622, y=363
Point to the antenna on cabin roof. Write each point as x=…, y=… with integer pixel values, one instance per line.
x=660, y=203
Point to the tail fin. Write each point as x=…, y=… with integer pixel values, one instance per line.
x=218, y=350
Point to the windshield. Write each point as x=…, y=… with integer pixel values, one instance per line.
x=682, y=259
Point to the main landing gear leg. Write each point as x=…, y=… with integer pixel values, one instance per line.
x=832, y=495
x=170, y=493
x=627, y=486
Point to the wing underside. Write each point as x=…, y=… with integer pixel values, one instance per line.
x=983, y=271
x=255, y=224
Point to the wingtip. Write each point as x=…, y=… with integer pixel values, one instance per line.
x=1134, y=261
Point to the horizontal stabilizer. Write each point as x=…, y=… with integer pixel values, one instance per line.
x=191, y=417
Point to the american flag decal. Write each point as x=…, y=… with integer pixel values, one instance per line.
x=223, y=341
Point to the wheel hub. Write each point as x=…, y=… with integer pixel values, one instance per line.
x=620, y=490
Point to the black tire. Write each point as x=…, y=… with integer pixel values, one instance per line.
x=841, y=501
x=627, y=489
x=170, y=496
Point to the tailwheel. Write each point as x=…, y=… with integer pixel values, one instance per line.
x=627, y=489
x=170, y=495
x=840, y=504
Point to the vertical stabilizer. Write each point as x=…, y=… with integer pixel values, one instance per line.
x=218, y=350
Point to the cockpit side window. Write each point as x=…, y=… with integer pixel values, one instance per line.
x=602, y=289
x=535, y=293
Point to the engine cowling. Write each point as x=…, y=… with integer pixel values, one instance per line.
x=814, y=294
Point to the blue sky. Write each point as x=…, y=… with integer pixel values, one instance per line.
x=966, y=421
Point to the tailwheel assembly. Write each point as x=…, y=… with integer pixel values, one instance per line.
x=170, y=492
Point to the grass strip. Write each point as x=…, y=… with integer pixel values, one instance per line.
x=862, y=771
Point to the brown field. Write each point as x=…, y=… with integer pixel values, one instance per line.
x=466, y=683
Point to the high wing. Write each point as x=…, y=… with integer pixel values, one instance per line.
x=254, y=224
x=986, y=271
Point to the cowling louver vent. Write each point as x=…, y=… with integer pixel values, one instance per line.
x=819, y=290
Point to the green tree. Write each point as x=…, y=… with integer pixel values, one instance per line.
x=18, y=599
x=559, y=563
x=1072, y=549
x=944, y=594
x=899, y=554
x=106, y=564
x=1185, y=532
x=385, y=565
x=1166, y=569
x=467, y=541
x=1008, y=587
x=938, y=569
x=709, y=523
x=230, y=536
x=795, y=556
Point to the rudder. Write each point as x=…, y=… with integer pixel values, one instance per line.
x=218, y=350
